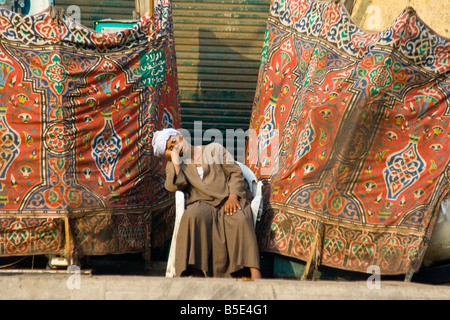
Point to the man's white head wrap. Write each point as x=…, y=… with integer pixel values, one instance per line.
x=160, y=138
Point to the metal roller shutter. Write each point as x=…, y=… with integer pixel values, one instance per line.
x=218, y=45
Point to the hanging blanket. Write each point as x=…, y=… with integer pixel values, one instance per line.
x=353, y=137
x=77, y=112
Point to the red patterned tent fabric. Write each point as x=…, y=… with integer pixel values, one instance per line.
x=77, y=112
x=353, y=137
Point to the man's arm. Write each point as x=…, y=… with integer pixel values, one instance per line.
x=175, y=181
x=175, y=178
x=235, y=183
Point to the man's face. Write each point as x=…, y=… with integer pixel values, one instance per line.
x=171, y=143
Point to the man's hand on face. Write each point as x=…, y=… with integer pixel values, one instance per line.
x=167, y=154
x=174, y=148
x=232, y=205
x=175, y=153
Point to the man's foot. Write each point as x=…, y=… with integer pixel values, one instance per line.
x=255, y=273
x=198, y=273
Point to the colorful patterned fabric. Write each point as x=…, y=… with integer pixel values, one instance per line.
x=363, y=124
x=77, y=112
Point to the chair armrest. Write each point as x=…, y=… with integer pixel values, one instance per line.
x=259, y=186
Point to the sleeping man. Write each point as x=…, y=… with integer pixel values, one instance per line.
x=216, y=236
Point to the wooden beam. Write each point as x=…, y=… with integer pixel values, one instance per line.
x=137, y=7
x=68, y=240
x=144, y=6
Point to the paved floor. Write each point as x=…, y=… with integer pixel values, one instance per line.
x=79, y=286
x=42, y=284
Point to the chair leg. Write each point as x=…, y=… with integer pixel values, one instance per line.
x=408, y=276
x=179, y=210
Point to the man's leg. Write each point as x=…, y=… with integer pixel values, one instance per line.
x=194, y=239
x=234, y=243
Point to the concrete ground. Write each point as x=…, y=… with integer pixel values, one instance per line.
x=84, y=284
x=128, y=287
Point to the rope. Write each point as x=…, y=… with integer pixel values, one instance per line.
x=11, y=264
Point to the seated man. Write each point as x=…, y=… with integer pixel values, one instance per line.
x=216, y=236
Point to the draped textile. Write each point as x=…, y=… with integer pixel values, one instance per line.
x=77, y=112
x=353, y=137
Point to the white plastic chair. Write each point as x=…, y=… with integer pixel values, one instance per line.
x=256, y=205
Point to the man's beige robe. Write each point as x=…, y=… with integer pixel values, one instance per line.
x=208, y=239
